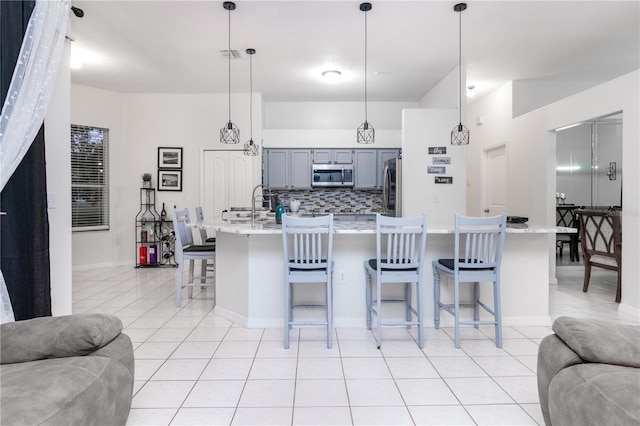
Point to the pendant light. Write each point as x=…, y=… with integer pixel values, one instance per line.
x=229, y=133
x=460, y=134
x=366, y=132
x=250, y=148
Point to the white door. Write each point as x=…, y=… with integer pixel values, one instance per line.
x=228, y=179
x=494, y=180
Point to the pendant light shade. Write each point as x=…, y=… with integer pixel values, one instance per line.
x=229, y=133
x=250, y=148
x=460, y=134
x=366, y=132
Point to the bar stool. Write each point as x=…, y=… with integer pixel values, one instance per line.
x=477, y=257
x=186, y=250
x=400, y=245
x=308, y=250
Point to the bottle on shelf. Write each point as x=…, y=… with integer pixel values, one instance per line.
x=163, y=213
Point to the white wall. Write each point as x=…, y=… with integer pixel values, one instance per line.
x=531, y=158
x=331, y=124
x=445, y=93
x=57, y=137
x=423, y=128
x=138, y=124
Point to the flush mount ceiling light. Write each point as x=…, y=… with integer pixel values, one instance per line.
x=229, y=133
x=460, y=134
x=366, y=132
x=331, y=75
x=250, y=148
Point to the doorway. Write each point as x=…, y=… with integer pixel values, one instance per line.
x=589, y=163
x=494, y=180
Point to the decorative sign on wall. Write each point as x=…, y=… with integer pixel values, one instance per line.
x=437, y=150
x=444, y=179
x=437, y=170
x=441, y=160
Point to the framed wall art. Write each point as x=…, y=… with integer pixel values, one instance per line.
x=169, y=158
x=169, y=180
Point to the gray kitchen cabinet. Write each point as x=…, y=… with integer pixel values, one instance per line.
x=365, y=167
x=300, y=169
x=287, y=168
x=332, y=156
x=276, y=168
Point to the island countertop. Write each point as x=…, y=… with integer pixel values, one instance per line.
x=270, y=227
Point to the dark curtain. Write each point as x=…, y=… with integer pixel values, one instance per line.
x=24, y=230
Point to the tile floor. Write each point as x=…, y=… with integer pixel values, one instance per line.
x=196, y=368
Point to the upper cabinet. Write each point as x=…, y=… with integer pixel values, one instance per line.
x=287, y=168
x=332, y=156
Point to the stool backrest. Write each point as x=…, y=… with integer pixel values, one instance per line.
x=307, y=242
x=200, y=219
x=184, y=237
x=479, y=241
x=400, y=241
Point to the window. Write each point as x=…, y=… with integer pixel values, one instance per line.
x=89, y=178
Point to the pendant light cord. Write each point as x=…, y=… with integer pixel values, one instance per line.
x=365, y=67
x=251, y=96
x=460, y=65
x=229, y=61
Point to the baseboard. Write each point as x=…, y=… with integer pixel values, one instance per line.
x=626, y=309
x=80, y=268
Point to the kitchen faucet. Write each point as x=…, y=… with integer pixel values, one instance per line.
x=262, y=198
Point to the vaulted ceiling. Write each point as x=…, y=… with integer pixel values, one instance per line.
x=175, y=46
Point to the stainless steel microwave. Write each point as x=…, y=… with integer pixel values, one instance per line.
x=332, y=175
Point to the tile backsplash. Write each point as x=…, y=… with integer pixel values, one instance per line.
x=334, y=200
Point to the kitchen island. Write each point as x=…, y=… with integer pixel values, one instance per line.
x=250, y=272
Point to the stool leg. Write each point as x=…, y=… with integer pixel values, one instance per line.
x=379, y=310
x=287, y=313
x=190, y=283
x=179, y=283
x=497, y=312
x=368, y=297
x=456, y=311
x=436, y=298
x=329, y=314
x=407, y=303
x=419, y=314
x=476, y=308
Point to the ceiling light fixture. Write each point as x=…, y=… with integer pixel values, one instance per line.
x=460, y=134
x=229, y=133
x=250, y=148
x=331, y=75
x=366, y=132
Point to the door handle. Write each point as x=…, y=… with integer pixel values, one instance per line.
x=486, y=210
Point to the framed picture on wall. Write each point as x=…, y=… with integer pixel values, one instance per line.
x=169, y=180
x=169, y=158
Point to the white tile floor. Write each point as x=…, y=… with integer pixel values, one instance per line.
x=196, y=368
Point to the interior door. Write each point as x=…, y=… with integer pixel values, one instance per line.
x=494, y=180
x=228, y=179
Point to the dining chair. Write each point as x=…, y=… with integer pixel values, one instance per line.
x=308, y=258
x=477, y=257
x=400, y=246
x=601, y=239
x=566, y=216
x=187, y=251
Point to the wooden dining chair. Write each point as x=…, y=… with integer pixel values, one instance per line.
x=601, y=240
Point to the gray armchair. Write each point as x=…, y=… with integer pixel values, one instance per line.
x=589, y=373
x=68, y=370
